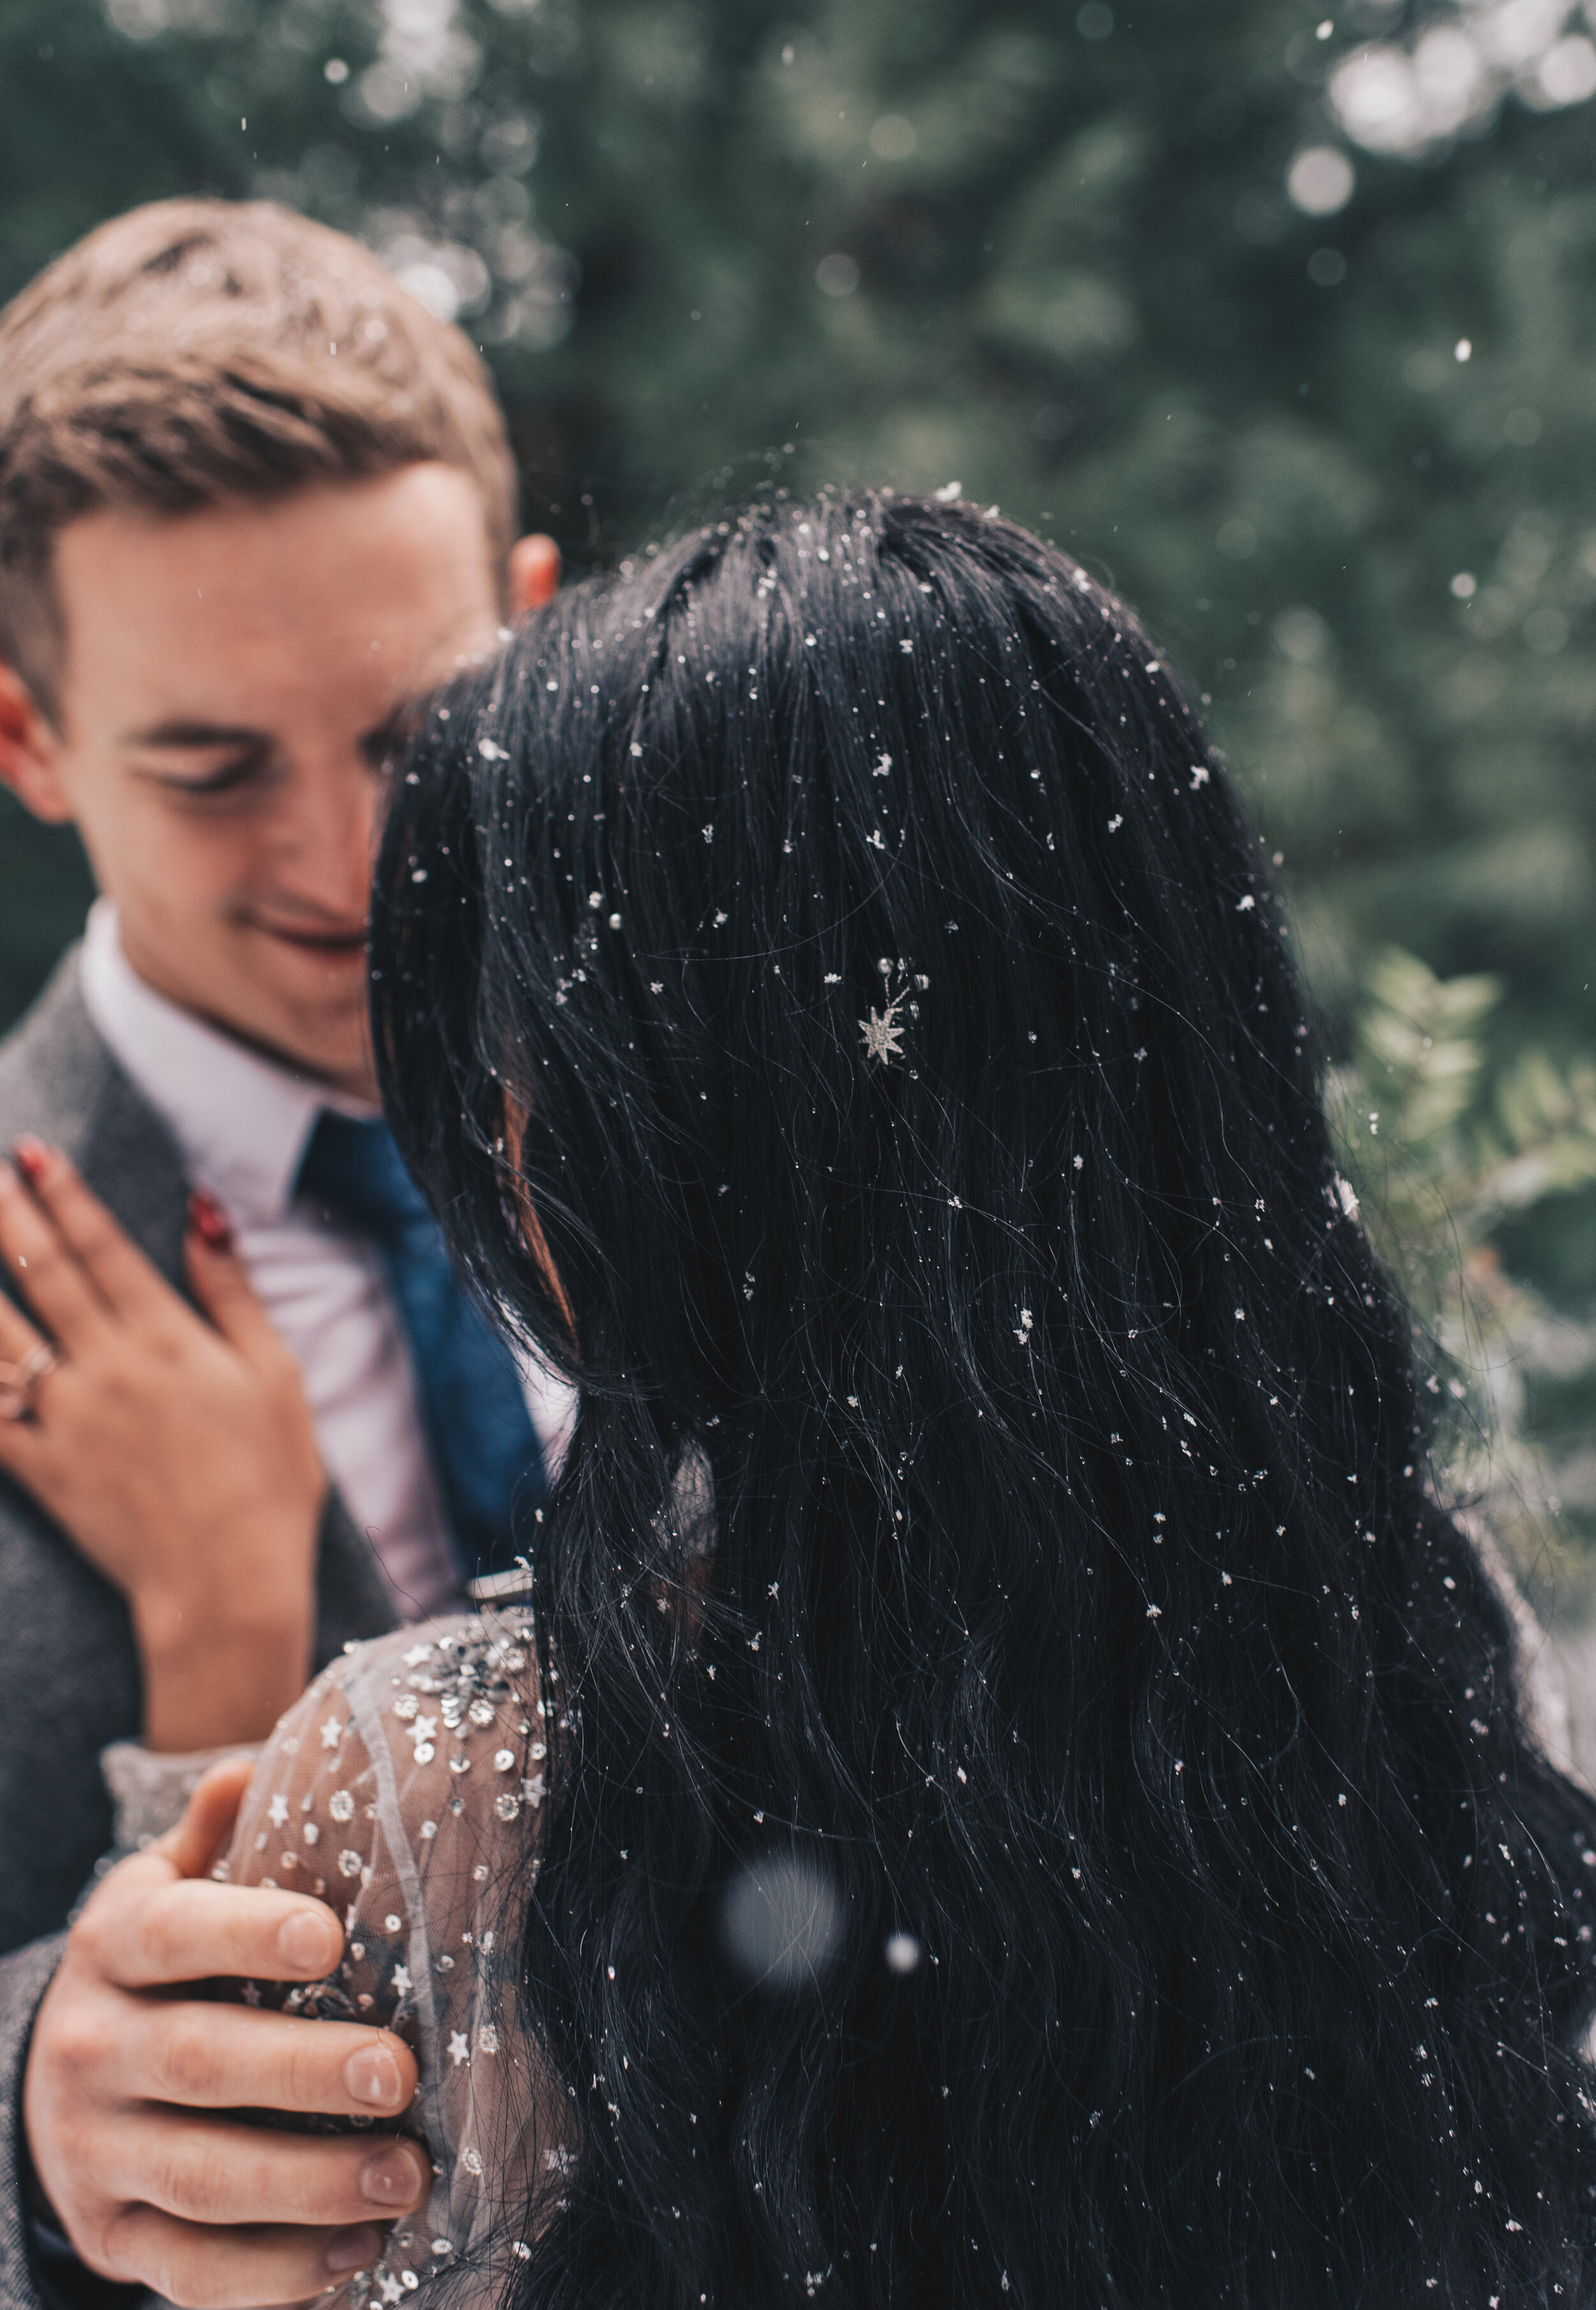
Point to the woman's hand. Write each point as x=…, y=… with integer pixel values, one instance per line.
x=179, y=1453
x=133, y=2088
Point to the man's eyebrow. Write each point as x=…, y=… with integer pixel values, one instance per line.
x=195, y=735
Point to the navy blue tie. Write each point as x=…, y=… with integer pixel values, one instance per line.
x=484, y=1448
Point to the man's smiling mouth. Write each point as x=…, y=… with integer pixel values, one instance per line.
x=337, y=942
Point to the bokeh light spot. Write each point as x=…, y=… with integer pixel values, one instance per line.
x=782, y=1921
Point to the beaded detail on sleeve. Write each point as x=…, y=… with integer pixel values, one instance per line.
x=406, y=1790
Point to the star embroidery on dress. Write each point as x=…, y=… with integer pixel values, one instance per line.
x=277, y=1811
x=392, y=2291
x=250, y=1992
x=417, y=1654
x=331, y=1732
x=423, y=1729
x=402, y=1981
x=459, y=2051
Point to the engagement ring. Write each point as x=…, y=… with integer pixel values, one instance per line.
x=19, y=1382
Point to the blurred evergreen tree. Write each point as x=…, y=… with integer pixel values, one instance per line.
x=1439, y=1168
x=1049, y=252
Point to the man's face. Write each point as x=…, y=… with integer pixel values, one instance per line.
x=230, y=678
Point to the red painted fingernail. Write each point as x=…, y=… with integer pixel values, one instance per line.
x=209, y=1220
x=31, y=1157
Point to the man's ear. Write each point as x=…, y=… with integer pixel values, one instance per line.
x=535, y=573
x=29, y=751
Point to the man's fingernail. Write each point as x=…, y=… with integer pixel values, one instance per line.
x=304, y=1942
x=350, y=2250
x=211, y=1222
x=372, y=2075
x=391, y=2179
x=31, y=1157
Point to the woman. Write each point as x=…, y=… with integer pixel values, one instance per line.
x=1017, y=1789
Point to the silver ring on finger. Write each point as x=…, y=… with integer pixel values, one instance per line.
x=20, y=1382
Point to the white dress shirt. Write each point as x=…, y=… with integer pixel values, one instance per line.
x=242, y=1122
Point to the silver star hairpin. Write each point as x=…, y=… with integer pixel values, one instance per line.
x=883, y=1036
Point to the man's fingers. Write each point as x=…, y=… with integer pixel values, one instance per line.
x=41, y=1265
x=205, y=2056
x=121, y=1274
x=212, y=2171
x=242, y=2268
x=207, y=1822
x=147, y=1930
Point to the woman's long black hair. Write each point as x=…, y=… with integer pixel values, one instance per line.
x=840, y=933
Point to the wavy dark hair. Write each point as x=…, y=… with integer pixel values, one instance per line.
x=904, y=1063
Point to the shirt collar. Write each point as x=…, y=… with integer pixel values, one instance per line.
x=241, y=1121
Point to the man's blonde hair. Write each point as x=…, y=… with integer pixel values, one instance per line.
x=195, y=351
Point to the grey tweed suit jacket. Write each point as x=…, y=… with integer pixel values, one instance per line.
x=69, y=1677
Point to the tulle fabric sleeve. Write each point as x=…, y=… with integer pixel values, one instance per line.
x=407, y=1791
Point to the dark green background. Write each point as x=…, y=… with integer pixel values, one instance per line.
x=1082, y=294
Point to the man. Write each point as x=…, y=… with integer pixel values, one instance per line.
x=252, y=498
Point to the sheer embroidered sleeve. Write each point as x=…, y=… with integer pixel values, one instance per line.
x=406, y=1790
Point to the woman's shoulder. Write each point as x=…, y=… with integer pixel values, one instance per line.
x=460, y=1670
x=457, y=1705
x=406, y=1789
x=445, y=1681
x=431, y=1738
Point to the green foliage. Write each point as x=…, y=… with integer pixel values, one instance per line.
x=1438, y=1159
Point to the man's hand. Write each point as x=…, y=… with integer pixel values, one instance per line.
x=179, y=1453
x=130, y=2086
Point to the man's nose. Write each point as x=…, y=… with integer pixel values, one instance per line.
x=329, y=834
